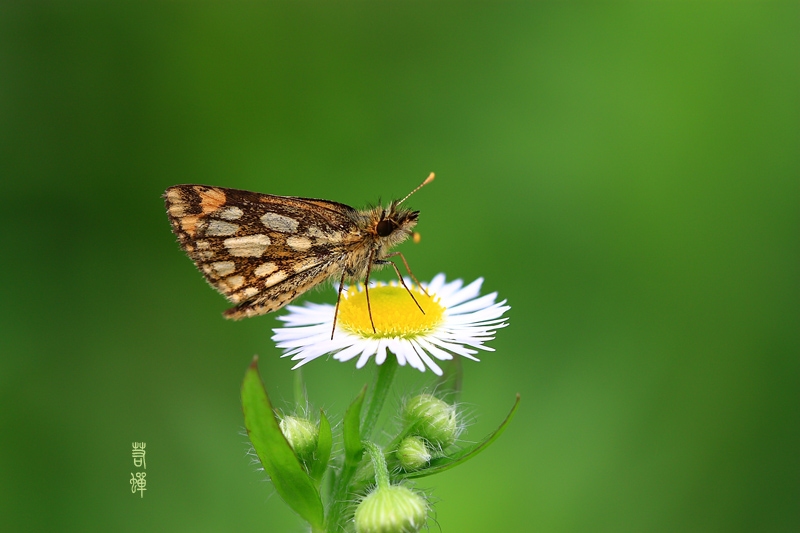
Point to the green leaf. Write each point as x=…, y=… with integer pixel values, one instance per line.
x=447, y=387
x=352, y=432
x=441, y=464
x=279, y=460
x=324, y=445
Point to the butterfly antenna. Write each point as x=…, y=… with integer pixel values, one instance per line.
x=427, y=181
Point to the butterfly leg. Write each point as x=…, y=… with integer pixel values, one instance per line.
x=366, y=288
x=397, y=271
x=338, y=299
x=409, y=271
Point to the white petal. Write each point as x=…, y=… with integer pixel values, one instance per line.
x=390, y=345
x=380, y=352
x=369, y=350
x=310, y=314
x=435, y=351
x=425, y=357
x=448, y=290
x=455, y=348
x=467, y=293
x=301, y=336
x=349, y=352
x=403, y=347
x=436, y=284
x=473, y=305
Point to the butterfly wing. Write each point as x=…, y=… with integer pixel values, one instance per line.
x=259, y=250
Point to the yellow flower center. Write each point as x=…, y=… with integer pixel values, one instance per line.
x=393, y=311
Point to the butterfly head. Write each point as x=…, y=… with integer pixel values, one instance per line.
x=396, y=222
x=396, y=219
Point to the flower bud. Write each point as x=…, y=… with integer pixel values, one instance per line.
x=301, y=434
x=391, y=509
x=433, y=419
x=413, y=454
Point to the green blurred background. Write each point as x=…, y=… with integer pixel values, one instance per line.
x=625, y=174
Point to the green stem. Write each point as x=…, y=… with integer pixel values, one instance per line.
x=338, y=501
x=384, y=375
x=380, y=390
x=300, y=395
x=378, y=463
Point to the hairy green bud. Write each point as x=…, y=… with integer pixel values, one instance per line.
x=412, y=453
x=301, y=434
x=432, y=419
x=391, y=509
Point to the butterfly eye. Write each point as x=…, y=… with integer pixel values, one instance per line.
x=384, y=228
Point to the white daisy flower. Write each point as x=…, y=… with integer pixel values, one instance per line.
x=456, y=321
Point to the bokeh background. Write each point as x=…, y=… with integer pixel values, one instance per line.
x=625, y=173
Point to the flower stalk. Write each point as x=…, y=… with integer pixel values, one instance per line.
x=380, y=390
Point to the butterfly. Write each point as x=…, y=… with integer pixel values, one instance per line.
x=262, y=251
